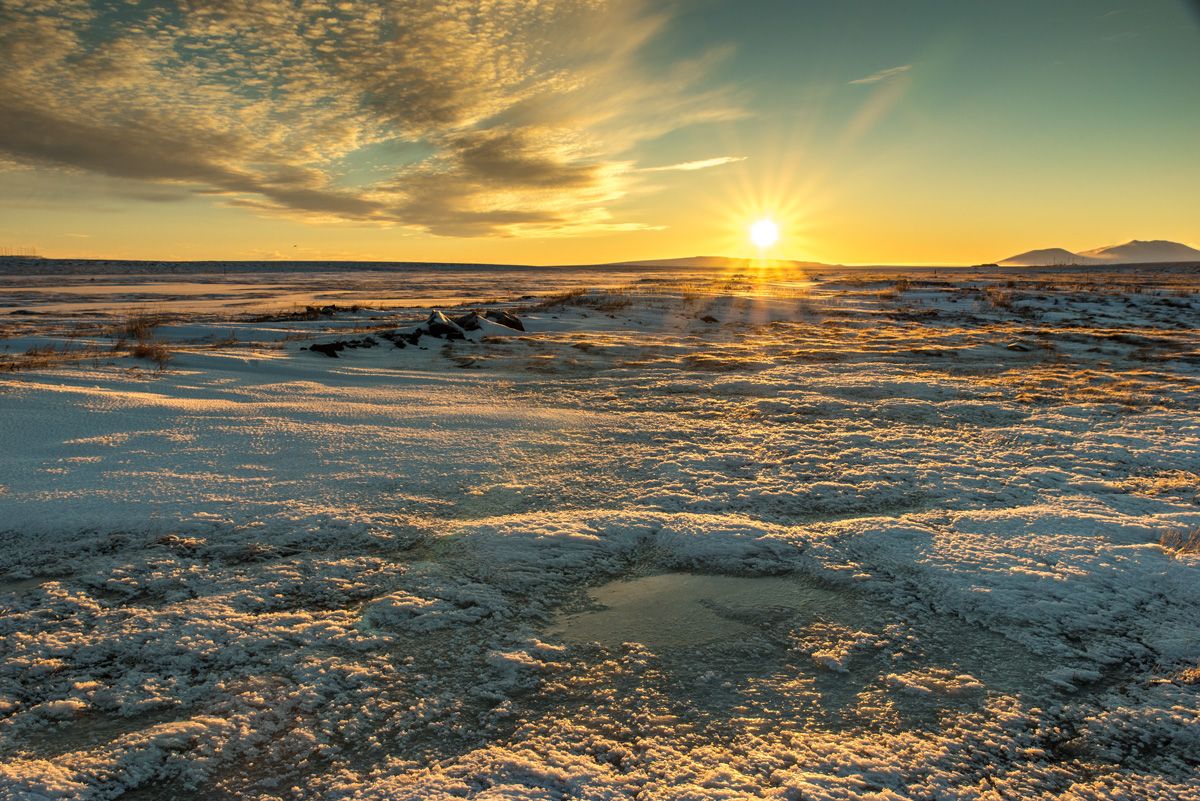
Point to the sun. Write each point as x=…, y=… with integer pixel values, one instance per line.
x=764, y=233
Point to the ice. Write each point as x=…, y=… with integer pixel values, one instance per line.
x=681, y=609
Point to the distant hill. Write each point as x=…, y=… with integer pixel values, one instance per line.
x=1135, y=252
x=717, y=261
x=1139, y=252
x=1046, y=257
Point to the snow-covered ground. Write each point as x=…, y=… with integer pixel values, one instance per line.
x=838, y=536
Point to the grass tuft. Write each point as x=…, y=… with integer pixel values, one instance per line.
x=559, y=299
x=138, y=325
x=1180, y=541
x=156, y=352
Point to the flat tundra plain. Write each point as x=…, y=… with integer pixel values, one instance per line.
x=844, y=534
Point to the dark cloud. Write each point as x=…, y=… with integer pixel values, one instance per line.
x=152, y=154
x=527, y=105
x=508, y=158
x=130, y=151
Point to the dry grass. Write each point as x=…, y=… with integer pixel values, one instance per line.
x=1180, y=541
x=1189, y=676
x=1167, y=482
x=156, y=352
x=600, y=300
x=897, y=289
x=609, y=301
x=998, y=298
x=32, y=359
x=41, y=357
x=560, y=299
x=138, y=326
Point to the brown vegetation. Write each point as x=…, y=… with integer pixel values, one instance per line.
x=897, y=289
x=43, y=356
x=1180, y=541
x=138, y=326
x=156, y=352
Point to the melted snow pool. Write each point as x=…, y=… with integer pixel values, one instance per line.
x=786, y=635
x=676, y=610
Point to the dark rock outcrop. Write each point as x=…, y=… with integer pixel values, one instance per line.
x=331, y=349
x=505, y=319
x=440, y=326
x=469, y=321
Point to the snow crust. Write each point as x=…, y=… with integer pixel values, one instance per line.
x=913, y=528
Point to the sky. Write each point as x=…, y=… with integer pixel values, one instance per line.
x=591, y=131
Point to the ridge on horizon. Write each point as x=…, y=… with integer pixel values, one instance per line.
x=1135, y=251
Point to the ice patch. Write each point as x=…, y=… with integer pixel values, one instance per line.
x=675, y=610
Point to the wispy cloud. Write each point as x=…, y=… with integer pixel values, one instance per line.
x=524, y=112
x=883, y=75
x=701, y=164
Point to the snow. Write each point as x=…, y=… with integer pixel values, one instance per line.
x=844, y=542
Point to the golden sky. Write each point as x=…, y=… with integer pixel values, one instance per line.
x=587, y=131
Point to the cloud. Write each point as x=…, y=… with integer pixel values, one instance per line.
x=702, y=164
x=882, y=75
x=522, y=111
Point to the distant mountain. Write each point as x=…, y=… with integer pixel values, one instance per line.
x=1139, y=252
x=1135, y=252
x=1046, y=257
x=717, y=261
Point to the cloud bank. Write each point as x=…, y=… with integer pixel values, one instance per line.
x=490, y=117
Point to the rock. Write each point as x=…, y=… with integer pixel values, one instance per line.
x=505, y=319
x=438, y=325
x=330, y=349
x=468, y=321
x=397, y=338
x=708, y=318
x=441, y=326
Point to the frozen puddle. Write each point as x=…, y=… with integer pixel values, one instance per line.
x=796, y=649
x=679, y=610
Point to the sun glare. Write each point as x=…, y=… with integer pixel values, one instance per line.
x=764, y=233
